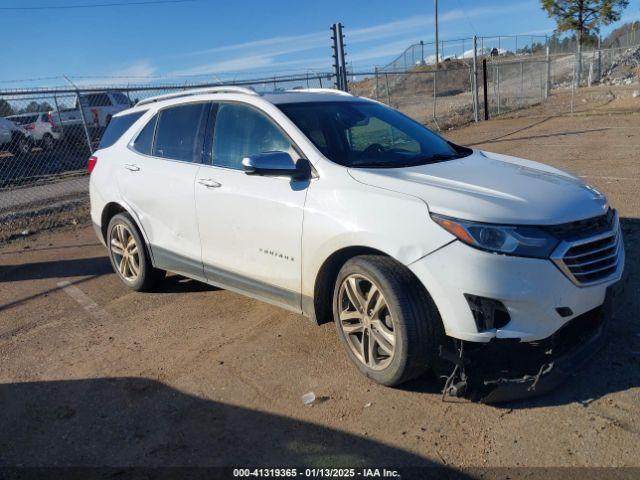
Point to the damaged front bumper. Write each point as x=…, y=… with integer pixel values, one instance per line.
x=506, y=369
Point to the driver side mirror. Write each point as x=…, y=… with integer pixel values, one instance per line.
x=276, y=164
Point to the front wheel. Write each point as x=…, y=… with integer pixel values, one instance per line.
x=386, y=320
x=129, y=255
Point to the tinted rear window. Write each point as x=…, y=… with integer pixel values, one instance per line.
x=179, y=132
x=24, y=120
x=117, y=127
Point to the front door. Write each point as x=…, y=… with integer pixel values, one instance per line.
x=250, y=226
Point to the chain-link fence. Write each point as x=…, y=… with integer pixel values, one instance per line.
x=46, y=139
x=47, y=135
x=424, y=53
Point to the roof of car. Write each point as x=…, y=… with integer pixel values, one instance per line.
x=304, y=96
x=29, y=114
x=277, y=97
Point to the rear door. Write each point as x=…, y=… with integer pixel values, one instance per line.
x=250, y=226
x=156, y=179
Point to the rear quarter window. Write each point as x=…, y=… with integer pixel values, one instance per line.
x=117, y=127
x=144, y=140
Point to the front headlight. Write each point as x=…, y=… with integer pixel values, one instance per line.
x=520, y=240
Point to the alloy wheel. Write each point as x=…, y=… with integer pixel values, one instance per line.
x=366, y=321
x=47, y=142
x=24, y=146
x=125, y=252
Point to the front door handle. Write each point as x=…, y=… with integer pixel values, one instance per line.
x=209, y=183
x=132, y=167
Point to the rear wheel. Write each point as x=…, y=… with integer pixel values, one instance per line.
x=386, y=319
x=47, y=142
x=129, y=255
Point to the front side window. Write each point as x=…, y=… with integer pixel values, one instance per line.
x=179, y=132
x=241, y=131
x=117, y=126
x=367, y=134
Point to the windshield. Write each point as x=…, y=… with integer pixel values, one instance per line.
x=367, y=134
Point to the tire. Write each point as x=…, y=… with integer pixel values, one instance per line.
x=20, y=146
x=48, y=142
x=410, y=315
x=135, y=270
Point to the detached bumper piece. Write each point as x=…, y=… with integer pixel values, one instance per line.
x=506, y=369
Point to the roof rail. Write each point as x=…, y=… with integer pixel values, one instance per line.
x=198, y=91
x=322, y=90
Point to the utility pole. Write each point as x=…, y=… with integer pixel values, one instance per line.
x=435, y=2
x=339, y=63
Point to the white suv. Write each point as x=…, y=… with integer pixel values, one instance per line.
x=44, y=132
x=491, y=270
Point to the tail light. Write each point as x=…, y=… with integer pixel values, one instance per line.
x=30, y=126
x=91, y=164
x=50, y=119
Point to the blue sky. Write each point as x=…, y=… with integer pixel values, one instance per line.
x=235, y=38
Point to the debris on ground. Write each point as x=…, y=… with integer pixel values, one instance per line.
x=624, y=69
x=309, y=398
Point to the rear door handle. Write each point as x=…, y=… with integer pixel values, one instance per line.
x=132, y=167
x=209, y=183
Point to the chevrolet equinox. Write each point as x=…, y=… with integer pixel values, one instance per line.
x=492, y=271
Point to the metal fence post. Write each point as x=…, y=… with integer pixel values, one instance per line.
x=84, y=121
x=599, y=69
x=386, y=79
x=498, y=82
x=547, y=83
x=573, y=83
x=484, y=88
x=435, y=95
x=521, y=83
x=55, y=102
x=474, y=80
x=377, y=83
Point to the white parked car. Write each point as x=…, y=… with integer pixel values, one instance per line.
x=41, y=127
x=492, y=270
x=98, y=108
x=14, y=138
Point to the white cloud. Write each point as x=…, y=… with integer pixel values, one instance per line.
x=259, y=54
x=134, y=72
x=299, y=43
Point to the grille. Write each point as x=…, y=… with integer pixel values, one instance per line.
x=591, y=260
x=584, y=228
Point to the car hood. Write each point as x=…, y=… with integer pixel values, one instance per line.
x=489, y=187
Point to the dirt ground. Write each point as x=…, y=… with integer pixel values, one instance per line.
x=93, y=374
